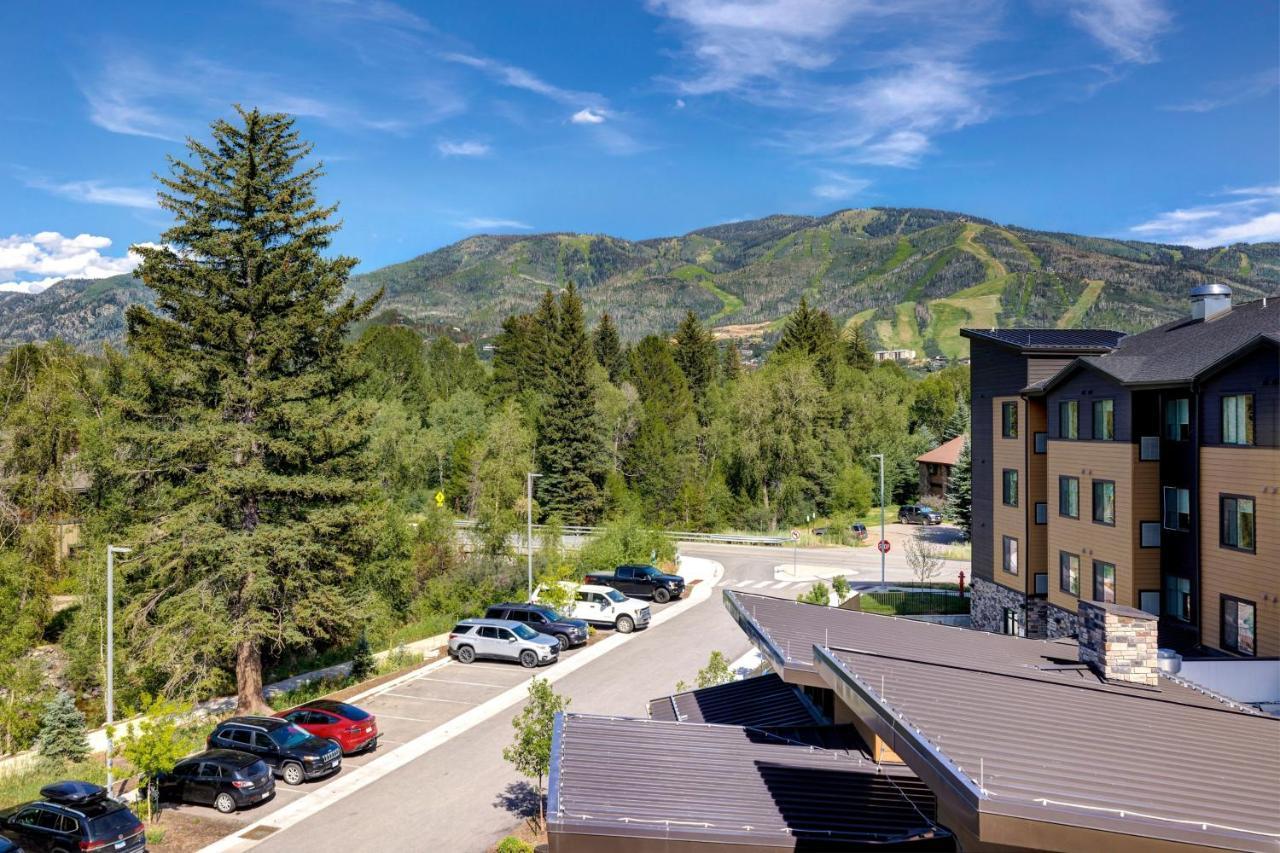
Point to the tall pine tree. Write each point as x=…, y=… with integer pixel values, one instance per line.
x=608, y=349
x=695, y=353
x=731, y=362
x=960, y=493
x=571, y=448
x=245, y=442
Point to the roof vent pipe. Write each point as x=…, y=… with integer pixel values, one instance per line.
x=1209, y=300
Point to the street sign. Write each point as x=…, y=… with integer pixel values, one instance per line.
x=439, y=499
x=883, y=546
x=795, y=534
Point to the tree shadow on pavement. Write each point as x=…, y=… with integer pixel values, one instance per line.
x=520, y=799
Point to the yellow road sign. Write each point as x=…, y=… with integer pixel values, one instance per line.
x=439, y=499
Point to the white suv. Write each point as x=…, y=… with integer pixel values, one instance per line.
x=604, y=605
x=501, y=639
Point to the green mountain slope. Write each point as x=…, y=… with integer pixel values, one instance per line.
x=911, y=278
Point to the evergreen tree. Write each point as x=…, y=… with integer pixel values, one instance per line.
x=813, y=333
x=958, y=424
x=731, y=362
x=695, y=354
x=62, y=737
x=362, y=662
x=960, y=493
x=517, y=368
x=570, y=447
x=245, y=441
x=608, y=349
x=858, y=352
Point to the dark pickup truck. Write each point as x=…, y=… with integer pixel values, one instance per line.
x=641, y=581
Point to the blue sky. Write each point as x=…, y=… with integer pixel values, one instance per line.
x=1137, y=118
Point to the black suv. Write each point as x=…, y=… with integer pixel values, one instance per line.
x=74, y=816
x=544, y=620
x=222, y=778
x=291, y=753
x=921, y=514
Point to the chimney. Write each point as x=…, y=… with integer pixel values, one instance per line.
x=1209, y=300
x=1119, y=643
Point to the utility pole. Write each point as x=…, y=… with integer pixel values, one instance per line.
x=880, y=548
x=528, y=505
x=112, y=550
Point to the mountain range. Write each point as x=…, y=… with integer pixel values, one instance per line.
x=909, y=277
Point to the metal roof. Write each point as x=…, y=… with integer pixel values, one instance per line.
x=765, y=700
x=1050, y=340
x=730, y=785
x=1072, y=751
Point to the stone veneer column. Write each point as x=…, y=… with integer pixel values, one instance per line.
x=1118, y=642
x=987, y=603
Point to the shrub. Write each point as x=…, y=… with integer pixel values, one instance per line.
x=626, y=540
x=152, y=744
x=819, y=594
x=362, y=664
x=715, y=672
x=511, y=844
x=62, y=737
x=841, y=587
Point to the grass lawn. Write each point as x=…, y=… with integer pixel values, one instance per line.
x=913, y=604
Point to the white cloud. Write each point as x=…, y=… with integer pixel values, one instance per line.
x=1231, y=92
x=588, y=116
x=97, y=192
x=467, y=148
x=520, y=78
x=1128, y=29
x=679, y=103
x=1252, y=216
x=485, y=223
x=838, y=187
x=53, y=257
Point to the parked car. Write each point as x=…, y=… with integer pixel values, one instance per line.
x=919, y=514
x=352, y=729
x=640, y=580
x=604, y=605
x=544, y=620
x=7, y=846
x=74, y=816
x=226, y=779
x=501, y=639
x=859, y=531
x=821, y=531
x=292, y=753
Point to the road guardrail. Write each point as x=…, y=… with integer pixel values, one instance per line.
x=678, y=535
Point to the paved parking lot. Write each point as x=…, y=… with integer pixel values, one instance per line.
x=406, y=708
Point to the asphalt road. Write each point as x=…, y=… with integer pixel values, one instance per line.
x=462, y=796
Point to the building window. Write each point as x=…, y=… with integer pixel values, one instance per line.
x=1237, y=522
x=1010, y=489
x=1069, y=497
x=1069, y=419
x=1011, y=555
x=1177, y=508
x=1104, y=581
x=1237, y=419
x=1104, y=420
x=1177, y=597
x=1150, y=531
x=1104, y=502
x=1042, y=583
x=1149, y=600
x=1013, y=621
x=1069, y=573
x=1177, y=419
x=1009, y=420
x=1041, y=442
x=1239, y=626
x=1149, y=448
x=1042, y=512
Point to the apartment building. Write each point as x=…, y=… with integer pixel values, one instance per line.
x=1139, y=470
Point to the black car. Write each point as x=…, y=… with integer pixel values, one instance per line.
x=640, y=580
x=919, y=515
x=223, y=778
x=544, y=620
x=292, y=754
x=74, y=816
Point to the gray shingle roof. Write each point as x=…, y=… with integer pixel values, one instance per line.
x=729, y=785
x=1051, y=340
x=765, y=700
x=1179, y=351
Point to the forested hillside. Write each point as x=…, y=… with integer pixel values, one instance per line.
x=908, y=278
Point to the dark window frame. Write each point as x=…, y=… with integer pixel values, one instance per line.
x=1223, y=497
x=1041, y=512
x=1250, y=427
x=1062, y=479
x=1009, y=427
x=1223, y=600
x=1093, y=411
x=1004, y=486
x=1004, y=555
x=1142, y=527
x=1074, y=407
x=1040, y=442
x=1164, y=509
x=1062, y=576
x=1097, y=589
x=1093, y=501
x=1184, y=428
x=1159, y=600
x=1186, y=603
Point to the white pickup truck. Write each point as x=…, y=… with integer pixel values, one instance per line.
x=603, y=605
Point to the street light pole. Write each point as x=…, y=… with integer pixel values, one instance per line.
x=880, y=547
x=529, y=477
x=112, y=550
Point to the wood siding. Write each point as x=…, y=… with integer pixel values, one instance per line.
x=1137, y=499
x=996, y=372
x=1086, y=386
x=1009, y=453
x=1258, y=374
x=1253, y=472
x=1036, y=557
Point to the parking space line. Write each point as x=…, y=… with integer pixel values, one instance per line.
x=468, y=683
x=397, y=717
x=429, y=698
x=781, y=584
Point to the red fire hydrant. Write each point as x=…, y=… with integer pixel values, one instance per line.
x=962, y=584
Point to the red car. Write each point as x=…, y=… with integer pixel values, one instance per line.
x=346, y=725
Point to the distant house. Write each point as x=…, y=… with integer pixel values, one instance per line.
x=895, y=355
x=936, y=465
